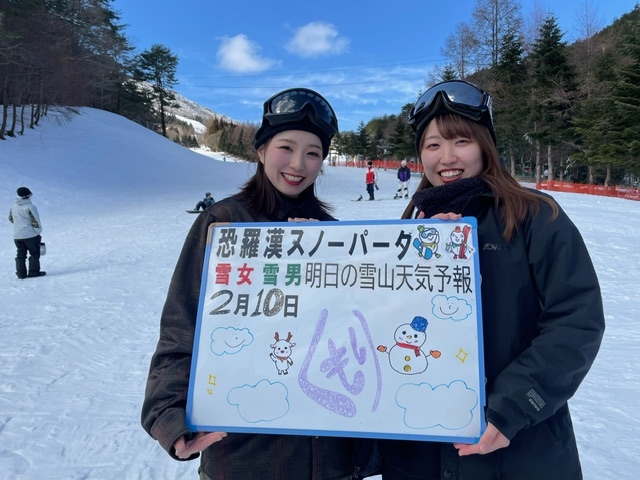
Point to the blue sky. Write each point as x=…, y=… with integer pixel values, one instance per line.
x=368, y=58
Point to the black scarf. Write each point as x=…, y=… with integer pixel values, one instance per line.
x=452, y=197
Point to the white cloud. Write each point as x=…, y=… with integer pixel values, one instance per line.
x=240, y=55
x=262, y=402
x=316, y=39
x=450, y=307
x=230, y=340
x=446, y=404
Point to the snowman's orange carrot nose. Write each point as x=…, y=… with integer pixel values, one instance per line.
x=381, y=348
x=435, y=353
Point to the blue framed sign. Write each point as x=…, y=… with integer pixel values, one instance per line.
x=365, y=329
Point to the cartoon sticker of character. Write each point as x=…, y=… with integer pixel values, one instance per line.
x=427, y=242
x=281, y=353
x=459, y=244
x=407, y=356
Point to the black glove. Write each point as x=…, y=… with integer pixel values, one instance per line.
x=377, y=187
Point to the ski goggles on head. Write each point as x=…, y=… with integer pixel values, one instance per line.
x=297, y=103
x=457, y=96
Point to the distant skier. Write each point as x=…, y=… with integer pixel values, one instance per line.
x=404, y=175
x=371, y=179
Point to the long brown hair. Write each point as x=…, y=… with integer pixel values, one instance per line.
x=513, y=201
x=264, y=198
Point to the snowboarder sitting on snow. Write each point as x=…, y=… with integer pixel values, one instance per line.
x=206, y=202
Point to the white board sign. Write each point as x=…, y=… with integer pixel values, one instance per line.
x=365, y=329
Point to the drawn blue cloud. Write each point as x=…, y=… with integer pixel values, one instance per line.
x=449, y=406
x=230, y=340
x=263, y=402
x=452, y=308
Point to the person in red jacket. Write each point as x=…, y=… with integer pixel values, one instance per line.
x=371, y=180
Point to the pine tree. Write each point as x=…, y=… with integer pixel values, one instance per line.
x=606, y=127
x=509, y=109
x=158, y=66
x=593, y=123
x=402, y=141
x=241, y=148
x=554, y=90
x=449, y=73
x=345, y=144
x=626, y=97
x=364, y=140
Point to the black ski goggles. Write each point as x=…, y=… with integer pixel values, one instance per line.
x=297, y=103
x=457, y=96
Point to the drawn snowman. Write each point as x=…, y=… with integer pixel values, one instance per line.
x=459, y=244
x=407, y=356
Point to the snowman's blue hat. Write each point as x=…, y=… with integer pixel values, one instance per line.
x=419, y=324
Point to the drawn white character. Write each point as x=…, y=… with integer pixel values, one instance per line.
x=459, y=246
x=427, y=242
x=281, y=353
x=407, y=356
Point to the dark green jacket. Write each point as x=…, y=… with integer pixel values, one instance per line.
x=542, y=326
x=238, y=456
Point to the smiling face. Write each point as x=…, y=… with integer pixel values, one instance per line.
x=407, y=335
x=446, y=160
x=292, y=161
x=457, y=237
x=430, y=235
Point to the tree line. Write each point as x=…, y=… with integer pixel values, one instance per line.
x=569, y=110
x=566, y=112
x=75, y=53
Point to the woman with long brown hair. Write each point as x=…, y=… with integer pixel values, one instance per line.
x=541, y=304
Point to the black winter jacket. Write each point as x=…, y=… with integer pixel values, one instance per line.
x=542, y=326
x=238, y=456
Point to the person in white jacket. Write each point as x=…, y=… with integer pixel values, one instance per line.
x=26, y=234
